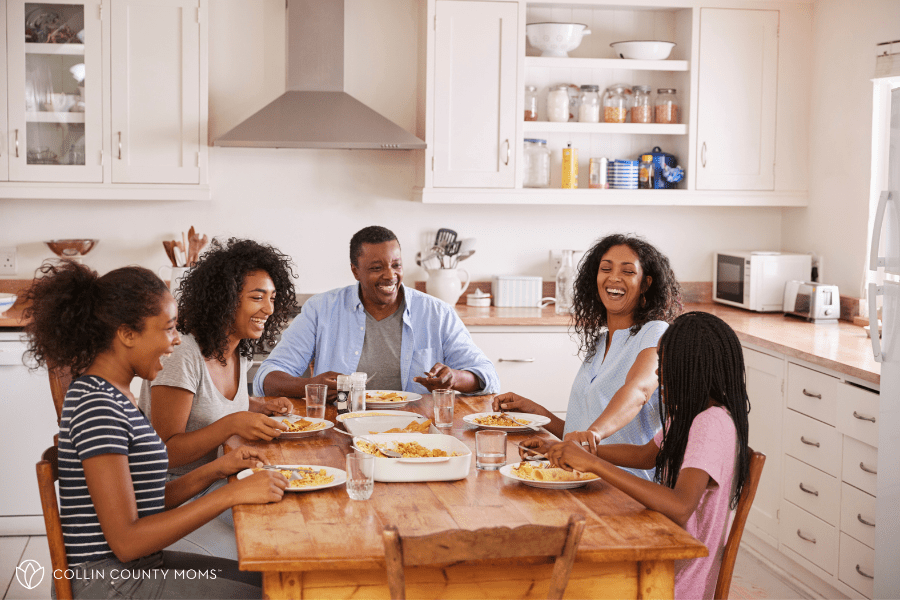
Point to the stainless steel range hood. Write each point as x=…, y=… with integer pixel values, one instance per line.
x=315, y=111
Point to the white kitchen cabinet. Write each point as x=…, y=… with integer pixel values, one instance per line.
x=736, y=99
x=765, y=382
x=475, y=94
x=539, y=363
x=155, y=81
x=4, y=128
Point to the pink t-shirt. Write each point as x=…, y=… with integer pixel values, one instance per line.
x=711, y=447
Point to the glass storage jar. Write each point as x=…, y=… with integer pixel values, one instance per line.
x=531, y=109
x=642, y=108
x=667, y=108
x=616, y=102
x=558, y=104
x=589, y=104
x=537, y=164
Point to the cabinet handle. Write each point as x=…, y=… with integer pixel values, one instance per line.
x=508, y=149
x=863, y=521
x=803, y=537
x=863, y=417
x=120, y=145
x=811, y=395
x=868, y=470
x=813, y=492
x=809, y=443
x=866, y=575
x=17, y=143
x=703, y=155
x=527, y=360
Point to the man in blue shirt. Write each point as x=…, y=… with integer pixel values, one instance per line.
x=405, y=339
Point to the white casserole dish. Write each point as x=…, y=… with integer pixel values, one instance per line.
x=447, y=468
x=366, y=425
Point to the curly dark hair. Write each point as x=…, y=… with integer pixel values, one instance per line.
x=663, y=297
x=700, y=358
x=74, y=313
x=373, y=234
x=210, y=294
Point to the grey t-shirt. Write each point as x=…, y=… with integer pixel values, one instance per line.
x=381, y=350
x=186, y=369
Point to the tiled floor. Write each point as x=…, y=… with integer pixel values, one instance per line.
x=752, y=580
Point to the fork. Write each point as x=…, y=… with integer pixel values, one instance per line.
x=388, y=453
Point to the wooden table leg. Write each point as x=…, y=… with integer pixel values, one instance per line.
x=656, y=580
x=282, y=586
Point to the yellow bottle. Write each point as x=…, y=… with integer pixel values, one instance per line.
x=570, y=167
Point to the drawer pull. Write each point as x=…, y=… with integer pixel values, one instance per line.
x=803, y=537
x=868, y=470
x=863, y=521
x=866, y=575
x=863, y=417
x=809, y=443
x=528, y=360
x=811, y=395
x=813, y=492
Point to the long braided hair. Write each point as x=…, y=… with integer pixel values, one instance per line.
x=700, y=359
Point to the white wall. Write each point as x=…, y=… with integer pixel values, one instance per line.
x=844, y=36
x=309, y=202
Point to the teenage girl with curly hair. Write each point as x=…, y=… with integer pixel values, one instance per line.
x=117, y=510
x=625, y=295
x=701, y=455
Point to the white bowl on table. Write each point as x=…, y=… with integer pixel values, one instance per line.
x=556, y=39
x=643, y=49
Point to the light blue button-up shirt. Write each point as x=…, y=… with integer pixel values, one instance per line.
x=598, y=381
x=331, y=329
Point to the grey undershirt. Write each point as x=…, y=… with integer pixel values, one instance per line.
x=381, y=351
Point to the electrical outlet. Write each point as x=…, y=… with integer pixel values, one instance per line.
x=8, y=260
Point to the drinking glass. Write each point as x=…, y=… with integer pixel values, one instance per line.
x=443, y=407
x=360, y=475
x=490, y=449
x=315, y=400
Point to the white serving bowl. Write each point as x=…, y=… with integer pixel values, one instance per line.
x=556, y=39
x=643, y=50
x=6, y=302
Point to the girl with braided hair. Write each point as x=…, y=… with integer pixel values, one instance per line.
x=701, y=455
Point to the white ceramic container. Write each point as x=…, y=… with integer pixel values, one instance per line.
x=643, y=50
x=448, y=468
x=556, y=39
x=446, y=284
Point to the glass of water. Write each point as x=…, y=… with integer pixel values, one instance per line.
x=360, y=475
x=315, y=400
x=490, y=449
x=443, y=407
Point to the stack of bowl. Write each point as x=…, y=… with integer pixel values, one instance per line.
x=623, y=174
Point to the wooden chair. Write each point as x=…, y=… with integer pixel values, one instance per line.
x=486, y=543
x=47, y=475
x=60, y=379
x=723, y=584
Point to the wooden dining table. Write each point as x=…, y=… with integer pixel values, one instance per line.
x=322, y=544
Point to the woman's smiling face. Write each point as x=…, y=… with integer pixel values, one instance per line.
x=257, y=304
x=621, y=280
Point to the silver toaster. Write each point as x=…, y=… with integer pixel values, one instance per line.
x=815, y=302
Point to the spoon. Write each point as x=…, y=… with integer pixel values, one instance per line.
x=388, y=453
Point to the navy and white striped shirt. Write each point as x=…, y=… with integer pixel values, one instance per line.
x=98, y=419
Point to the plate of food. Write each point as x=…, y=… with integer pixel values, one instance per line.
x=307, y=478
x=506, y=421
x=388, y=398
x=374, y=413
x=542, y=475
x=301, y=427
x=390, y=423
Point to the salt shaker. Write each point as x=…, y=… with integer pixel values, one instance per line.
x=357, y=392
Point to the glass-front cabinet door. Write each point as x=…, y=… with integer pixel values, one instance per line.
x=54, y=91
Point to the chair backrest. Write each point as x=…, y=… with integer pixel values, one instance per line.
x=60, y=379
x=486, y=543
x=47, y=475
x=723, y=583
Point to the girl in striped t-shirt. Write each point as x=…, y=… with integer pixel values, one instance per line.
x=117, y=510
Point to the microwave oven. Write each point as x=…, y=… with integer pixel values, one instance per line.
x=755, y=280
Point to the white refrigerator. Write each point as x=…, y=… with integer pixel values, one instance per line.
x=885, y=254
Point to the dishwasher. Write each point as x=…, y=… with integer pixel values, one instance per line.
x=27, y=427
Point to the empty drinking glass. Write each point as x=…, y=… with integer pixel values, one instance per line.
x=360, y=475
x=315, y=400
x=443, y=407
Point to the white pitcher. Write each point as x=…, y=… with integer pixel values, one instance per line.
x=446, y=284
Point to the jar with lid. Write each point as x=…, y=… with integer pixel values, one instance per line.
x=589, y=104
x=642, y=108
x=537, y=164
x=616, y=102
x=558, y=104
x=645, y=172
x=531, y=102
x=357, y=392
x=667, y=108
